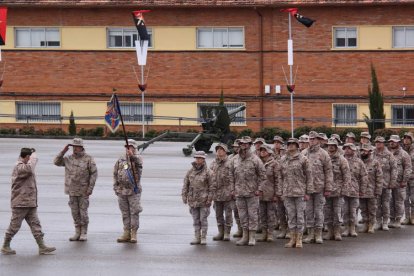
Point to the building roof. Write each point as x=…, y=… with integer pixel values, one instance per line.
x=195, y=3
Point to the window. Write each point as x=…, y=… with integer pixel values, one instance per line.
x=125, y=38
x=345, y=37
x=403, y=37
x=37, y=37
x=220, y=37
x=345, y=114
x=239, y=117
x=402, y=115
x=132, y=112
x=38, y=111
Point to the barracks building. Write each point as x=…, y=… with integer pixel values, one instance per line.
x=64, y=56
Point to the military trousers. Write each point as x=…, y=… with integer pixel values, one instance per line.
x=314, y=210
x=267, y=215
x=383, y=209
x=409, y=200
x=295, y=208
x=200, y=215
x=224, y=212
x=79, y=207
x=368, y=208
x=130, y=206
x=350, y=210
x=281, y=215
x=333, y=211
x=247, y=207
x=397, y=203
x=32, y=219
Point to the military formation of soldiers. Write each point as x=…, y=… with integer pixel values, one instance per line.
x=311, y=184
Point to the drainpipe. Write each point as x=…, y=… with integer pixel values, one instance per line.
x=261, y=88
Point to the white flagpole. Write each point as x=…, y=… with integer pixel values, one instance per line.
x=290, y=63
x=142, y=50
x=142, y=102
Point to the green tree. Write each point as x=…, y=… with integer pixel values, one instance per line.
x=376, y=105
x=72, y=125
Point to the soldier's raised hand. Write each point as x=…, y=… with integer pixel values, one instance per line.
x=66, y=148
x=130, y=151
x=184, y=200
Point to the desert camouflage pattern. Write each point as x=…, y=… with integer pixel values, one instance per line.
x=248, y=212
x=296, y=175
x=200, y=215
x=79, y=207
x=122, y=184
x=199, y=187
x=359, y=178
x=388, y=166
x=295, y=208
x=130, y=206
x=375, y=176
x=341, y=173
x=23, y=184
x=271, y=187
x=24, y=213
x=221, y=173
x=321, y=168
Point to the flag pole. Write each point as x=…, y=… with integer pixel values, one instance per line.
x=142, y=102
x=290, y=63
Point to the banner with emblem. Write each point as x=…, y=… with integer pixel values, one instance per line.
x=3, y=21
x=112, y=116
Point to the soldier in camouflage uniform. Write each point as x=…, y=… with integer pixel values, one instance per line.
x=80, y=178
x=303, y=142
x=323, y=140
x=350, y=138
x=389, y=171
x=409, y=200
x=223, y=201
x=281, y=215
x=339, y=142
x=268, y=193
x=24, y=202
x=368, y=200
x=247, y=172
x=258, y=142
x=404, y=168
x=334, y=202
x=365, y=138
x=239, y=233
x=297, y=185
x=128, y=189
x=322, y=184
x=197, y=192
x=353, y=189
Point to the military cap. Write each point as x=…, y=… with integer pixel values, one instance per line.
x=323, y=136
x=77, y=142
x=365, y=134
x=366, y=147
x=259, y=140
x=409, y=135
x=304, y=139
x=395, y=138
x=379, y=139
x=245, y=140
x=27, y=151
x=350, y=135
x=278, y=139
x=332, y=141
x=132, y=142
x=236, y=143
x=293, y=141
x=223, y=146
x=313, y=134
x=337, y=137
x=200, y=154
x=267, y=148
x=349, y=145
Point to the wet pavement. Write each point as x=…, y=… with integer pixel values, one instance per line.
x=166, y=228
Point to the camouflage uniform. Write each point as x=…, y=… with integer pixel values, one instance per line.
x=322, y=182
x=404, y=168
x=235, y=211
x=368, y=200
x=80, y=178
x=129, y=201
x=409, y=201
x=281, y=216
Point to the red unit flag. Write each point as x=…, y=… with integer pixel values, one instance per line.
x=3, y=25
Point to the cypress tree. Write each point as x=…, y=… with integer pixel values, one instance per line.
x=376, y=104
x=72, y=125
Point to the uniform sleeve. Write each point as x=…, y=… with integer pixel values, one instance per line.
x=394, y=172
x=138, y=165
x=277, y=178
x=93, y=175
x=309, y=177
x=59, y=160
x=261, y=173
x=407, y=166
x=346, y=173
x=363, y=178
x=186, y=185
x=23, y=170
x=327, y=169
x=115, y=175
x=379, y=179
x=231, y=176
x=212, y=186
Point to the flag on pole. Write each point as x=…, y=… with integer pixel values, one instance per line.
x=3, y=21
x=300, y=18
x=138, y=17
x=112, y=116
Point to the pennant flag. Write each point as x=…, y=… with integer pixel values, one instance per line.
x=3, y=21
x=112, y=116
x=138, y=17
x=304, y=20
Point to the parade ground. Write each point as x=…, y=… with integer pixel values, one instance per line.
x=166, y=228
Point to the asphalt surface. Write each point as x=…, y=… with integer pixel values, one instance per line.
x=166, y=228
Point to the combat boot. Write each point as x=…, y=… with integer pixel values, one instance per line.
x=77, y=234
x=84, y=232
x=311, y=236
x=299, y=240
x=6, y=250
x=352, y=231
x=282, y=233
x=220, y=235
x=269, y=235
x=329, y=235
x=364, y=228
x=125, y=237
x=196, y=239
x=133, y=236
x=264, y=236
x=203, y=239
x=391, y=223
x=406, y=221
x=245, y=238
x=337, y=233
x=292, y=240
x=288, y=235
x=377, y=226
x=252, y=237
x=345, y=233
x=385, y=226
x=397, y=223
x=318, y=236
x=371, y=229
x=43, y=249
x=239, y=232
x=226, y=236
x=412, y=219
